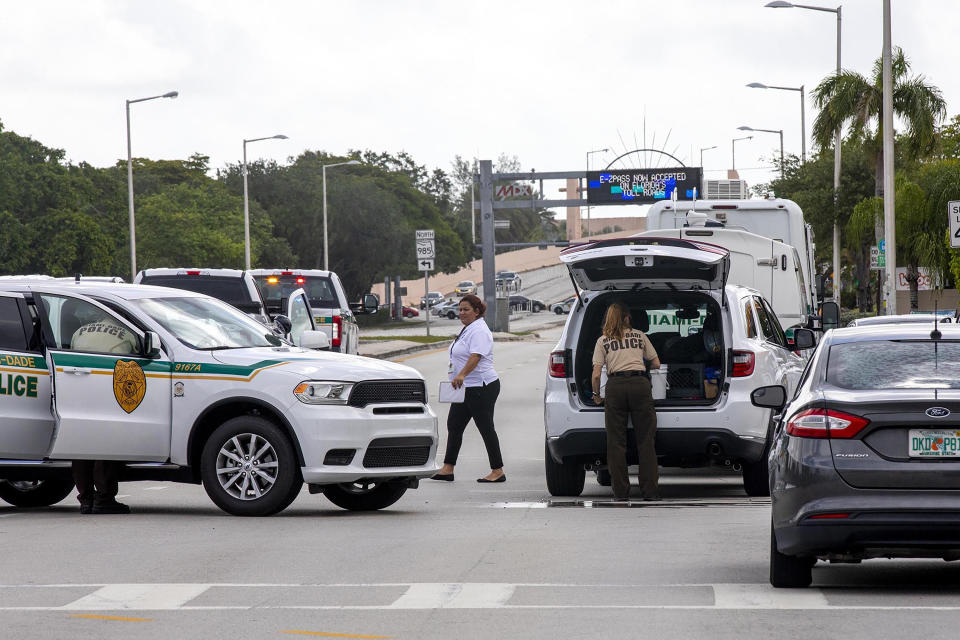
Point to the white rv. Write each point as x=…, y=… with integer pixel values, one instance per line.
x=771, y=267
x=775, y=218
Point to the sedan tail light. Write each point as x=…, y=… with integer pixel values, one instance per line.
x=743, y=363
x=558, y=364
x=825, y=423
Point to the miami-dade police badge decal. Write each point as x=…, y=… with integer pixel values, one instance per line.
x=129, y=384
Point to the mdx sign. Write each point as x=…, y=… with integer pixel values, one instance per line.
x=513, y=190
x=642, y=186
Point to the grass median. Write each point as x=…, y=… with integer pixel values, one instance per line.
x=419, y=339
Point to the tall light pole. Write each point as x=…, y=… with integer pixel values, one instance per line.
x=326, y=252
x=780, y=131
x=133, y=230
x=589, y=153
x=781, y=4
x=246, y=199
x=733, y=151
x=803, y=116
x=701, y=153
x=889, y=223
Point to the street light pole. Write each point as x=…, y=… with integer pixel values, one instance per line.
x=780, y=131
x=587, y=184
x=803, y=117
x=133, y=230
x=701, y=154
x=733, y=151
x=782, y=4
x=326, y=251
x=246, y=199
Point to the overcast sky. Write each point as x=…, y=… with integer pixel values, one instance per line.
x=545, y=81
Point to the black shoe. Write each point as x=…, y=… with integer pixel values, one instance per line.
x=86, y=507
x=447, y=477
x=502, y=478
x=110, y=507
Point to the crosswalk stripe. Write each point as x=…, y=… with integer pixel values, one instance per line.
x=114, y=597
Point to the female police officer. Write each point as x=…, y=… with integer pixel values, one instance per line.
x=628, y=355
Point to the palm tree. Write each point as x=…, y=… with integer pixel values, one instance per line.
x=850, y=98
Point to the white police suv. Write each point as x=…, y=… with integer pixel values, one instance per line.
x=187, y=388
x=717, y=342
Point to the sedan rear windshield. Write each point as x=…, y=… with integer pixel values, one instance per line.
x=895, y=364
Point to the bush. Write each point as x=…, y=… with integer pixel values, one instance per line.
x=382, y=316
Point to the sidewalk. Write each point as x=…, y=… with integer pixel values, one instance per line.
x=386, y=349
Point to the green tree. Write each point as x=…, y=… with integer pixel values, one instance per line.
x=940, y=180
x=859, y=234
x=851, y=98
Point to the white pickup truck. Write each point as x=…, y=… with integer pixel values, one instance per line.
x=203, y=394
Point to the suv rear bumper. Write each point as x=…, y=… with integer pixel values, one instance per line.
x=675, y=447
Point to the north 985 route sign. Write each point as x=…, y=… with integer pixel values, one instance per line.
x=953, y=214
x=426, y=251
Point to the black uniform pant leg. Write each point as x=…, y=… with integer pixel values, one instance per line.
x=96, y=480
x=82, y=471
x=457, y=421
x=616, y=409
x=644, y=418
x=482, y=404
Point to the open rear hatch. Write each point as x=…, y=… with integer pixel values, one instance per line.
x=636, y=264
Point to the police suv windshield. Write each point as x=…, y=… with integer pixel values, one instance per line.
x=207, y=324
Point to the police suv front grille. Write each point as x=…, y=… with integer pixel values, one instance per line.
x=380, y=391
x=398, y=452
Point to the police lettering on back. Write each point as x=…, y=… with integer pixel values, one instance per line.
x=631, y=340
x=104, y=327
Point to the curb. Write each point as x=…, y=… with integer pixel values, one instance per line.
x=439, y=346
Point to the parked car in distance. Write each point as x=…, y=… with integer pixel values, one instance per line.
x=563, y=306
x=432, y=298
x=410, y=312
x=509, y=279
x=523, y=303
x=865, y=455
x=465, y=287
x=907, y=318
x=233, y=286
x=447, y=309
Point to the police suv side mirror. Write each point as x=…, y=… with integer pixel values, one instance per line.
x=314, y=340
x=803, y=339
x=282, y=325
x=770, y=397
x=151, y=344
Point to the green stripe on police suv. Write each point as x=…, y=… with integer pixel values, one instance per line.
x=21, y=361
x=108, y=362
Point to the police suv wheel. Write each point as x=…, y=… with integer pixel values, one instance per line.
x=365, y=495
x=563, y=479
x=36, y=493
x=249, y=467
x=756, y=477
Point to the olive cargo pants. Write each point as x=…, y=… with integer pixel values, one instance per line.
x=630, y=397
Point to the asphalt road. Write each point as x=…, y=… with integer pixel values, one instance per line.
x=450, y=560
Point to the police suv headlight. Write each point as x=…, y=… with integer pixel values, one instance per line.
x=323, y=392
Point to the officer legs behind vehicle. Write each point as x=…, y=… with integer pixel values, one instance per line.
x=97, y=486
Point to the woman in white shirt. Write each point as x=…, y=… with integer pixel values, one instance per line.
x=471, y=366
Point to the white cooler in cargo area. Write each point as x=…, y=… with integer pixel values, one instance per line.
x=658, y=382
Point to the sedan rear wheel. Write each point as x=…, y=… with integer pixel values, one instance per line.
x=789, y=572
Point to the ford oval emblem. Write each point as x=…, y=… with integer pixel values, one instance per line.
x=937, y=412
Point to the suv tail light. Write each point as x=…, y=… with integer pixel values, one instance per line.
x=825, y=423
x=558, y=365
x=743, y=363
x=337, y=328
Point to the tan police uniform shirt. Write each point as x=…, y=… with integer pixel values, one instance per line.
x=627, y=354
x=103, y=336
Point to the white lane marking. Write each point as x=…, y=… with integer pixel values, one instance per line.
x=156, y=488
x=174, y=597
x=7, y=515
x=114, y=597
x=760, y=596
x=439, y=595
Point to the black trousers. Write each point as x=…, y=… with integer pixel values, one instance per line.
x=478, y=403
x=96, y=480
x=630, y=397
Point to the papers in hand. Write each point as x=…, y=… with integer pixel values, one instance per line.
x=449, y=394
